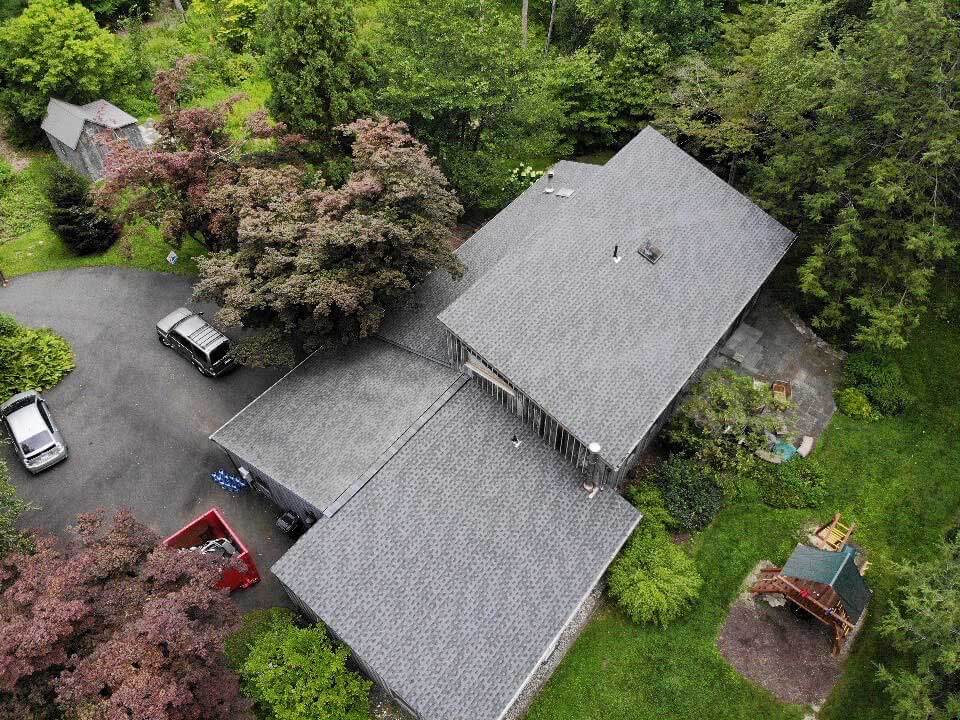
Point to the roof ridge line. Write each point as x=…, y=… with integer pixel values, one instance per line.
x=397, y=345
x=846, y=559
x=396, y=446
x=257, y=398
x=584, y=187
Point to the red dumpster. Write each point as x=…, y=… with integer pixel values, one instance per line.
x=211, y=534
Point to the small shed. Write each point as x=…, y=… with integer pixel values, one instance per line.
x=74, y=132
x=827, y=584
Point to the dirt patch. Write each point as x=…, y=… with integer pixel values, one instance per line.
x=18, y=160
x=785, y=651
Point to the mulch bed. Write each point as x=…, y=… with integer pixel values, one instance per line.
x=784, y=652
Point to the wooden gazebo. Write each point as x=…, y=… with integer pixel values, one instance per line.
x=825, y=583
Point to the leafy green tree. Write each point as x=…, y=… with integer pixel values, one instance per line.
x=844, y=123
x=654, y=580
x=683, y=25
x=319, y=71
x=295, y=673
x=922, y=625
x=54, y=48
x=457, y=73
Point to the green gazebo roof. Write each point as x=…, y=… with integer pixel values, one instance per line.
x=835, y=569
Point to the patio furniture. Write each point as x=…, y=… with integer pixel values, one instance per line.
x=781, y=390
x=835, y=534
x=769, y=456
x=785, y=450
x=806, y=446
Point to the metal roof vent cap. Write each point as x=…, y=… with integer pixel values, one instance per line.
x=650, y=252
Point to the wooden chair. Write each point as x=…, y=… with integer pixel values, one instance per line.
x=835, y=534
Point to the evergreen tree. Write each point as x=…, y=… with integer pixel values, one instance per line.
x=82, y=226
x=318, y=69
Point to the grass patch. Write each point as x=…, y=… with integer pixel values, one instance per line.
x=24, y=206
x=142, y=247
x=28, y=243
x=898, y=478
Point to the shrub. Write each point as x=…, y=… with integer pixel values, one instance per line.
x=296, y=673
x=255, y=624
x=521, y=177
x=853, y=403
x=6, y=175
x=691, y=494
x=720, y=419
x=12, y=507
x=31, y=359
x=654, y=580
x=55, y=48
x=880, y=380
x=795, y=484
x=648, y=499
x=82, y=226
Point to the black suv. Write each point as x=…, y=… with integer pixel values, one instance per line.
x=193, y=337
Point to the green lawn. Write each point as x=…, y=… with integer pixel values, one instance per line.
x=28, y=244
x=898, y=478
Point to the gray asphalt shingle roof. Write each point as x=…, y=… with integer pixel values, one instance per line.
x=454, y=569
x=415, y=326
x=836, y=569
x=602, y=346
x=322, y=430
x=64, y=120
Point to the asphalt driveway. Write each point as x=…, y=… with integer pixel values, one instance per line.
x=135, y=415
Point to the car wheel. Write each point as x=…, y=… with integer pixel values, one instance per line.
x=163, y=340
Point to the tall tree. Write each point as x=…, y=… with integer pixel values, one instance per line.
x=319, y=71
x=323, y=265
x=456, y=74
x=847, y=127
x=922, y=625
x=114, y=625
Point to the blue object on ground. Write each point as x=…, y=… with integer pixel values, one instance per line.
x=785, y=450
x=229, y=482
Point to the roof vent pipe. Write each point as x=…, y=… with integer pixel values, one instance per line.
x=549, y=187
x=616, y=254
x=594, y=469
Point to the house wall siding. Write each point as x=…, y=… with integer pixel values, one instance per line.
x=89, y=157
x=280, y=495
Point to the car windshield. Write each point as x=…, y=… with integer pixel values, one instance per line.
x=36, y=443
x=219, y=352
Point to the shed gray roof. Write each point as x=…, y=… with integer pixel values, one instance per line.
x=602, y=346
x=452, y=572
x=64, y=121
x=835, y=569
x=415, y=326
x=325, y=427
